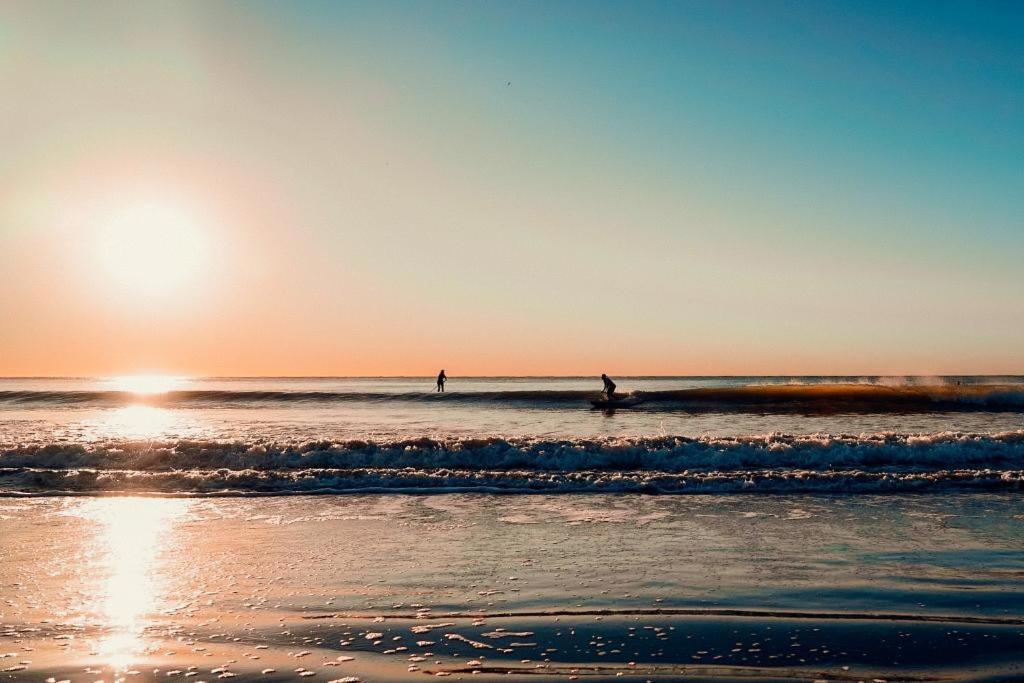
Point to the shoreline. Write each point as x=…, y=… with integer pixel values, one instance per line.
x=603, y=587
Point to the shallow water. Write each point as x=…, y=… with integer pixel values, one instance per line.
x=711, y=587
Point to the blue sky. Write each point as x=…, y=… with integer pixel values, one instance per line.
x=908, y=112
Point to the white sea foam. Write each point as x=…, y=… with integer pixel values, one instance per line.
x=771, y=462
x=667, y=454
x=261, y=482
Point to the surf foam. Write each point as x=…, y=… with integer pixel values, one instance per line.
x=770, y=462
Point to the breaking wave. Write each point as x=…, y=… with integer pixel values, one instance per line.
x=781, y=398
x=772, y=463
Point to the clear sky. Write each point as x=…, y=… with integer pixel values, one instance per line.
x=336, y=188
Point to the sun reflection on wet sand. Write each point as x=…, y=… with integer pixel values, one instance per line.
x=133, y=535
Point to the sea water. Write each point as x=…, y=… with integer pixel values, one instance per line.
x=854, y=528
x=685, y=435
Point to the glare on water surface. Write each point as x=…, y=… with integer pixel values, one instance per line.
x=137, y=422
x=146, y=384
x=140, y=420
x=132, y=534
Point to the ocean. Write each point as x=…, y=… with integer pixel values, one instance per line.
x=348, y=530
x=683, y=435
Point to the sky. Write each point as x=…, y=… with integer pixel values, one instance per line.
x=511, y=188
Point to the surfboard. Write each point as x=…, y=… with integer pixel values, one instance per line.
x=623, y=402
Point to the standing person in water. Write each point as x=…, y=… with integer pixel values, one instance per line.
x=441, y=379
x=609, y=386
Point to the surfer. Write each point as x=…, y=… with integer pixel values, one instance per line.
x=441, y=379
x=609, y=386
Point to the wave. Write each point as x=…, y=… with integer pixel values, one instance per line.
x=768, y=463
x=310, y=482
x=778, y=398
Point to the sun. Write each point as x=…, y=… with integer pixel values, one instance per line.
x=152, y=248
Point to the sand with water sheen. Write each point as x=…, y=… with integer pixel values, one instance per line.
x=398, y=587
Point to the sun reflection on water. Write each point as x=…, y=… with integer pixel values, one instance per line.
x=134, y=533
x=138, y=422
x=146, y=384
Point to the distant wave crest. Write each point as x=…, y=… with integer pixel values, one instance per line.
x=781, y=398
x=768, y=463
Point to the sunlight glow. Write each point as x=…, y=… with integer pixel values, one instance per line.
x=138, y=422
x=146, y=384
x=152, y=249
x=134, y=532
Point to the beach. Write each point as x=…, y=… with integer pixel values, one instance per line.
x=396, y=587
x=362, y=341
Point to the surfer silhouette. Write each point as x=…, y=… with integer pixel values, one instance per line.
x=441, y=379
x=609, y=386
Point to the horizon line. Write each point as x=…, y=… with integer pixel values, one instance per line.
x=430, y=376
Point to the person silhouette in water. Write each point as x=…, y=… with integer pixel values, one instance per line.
x=609, y=386
x=441, y=379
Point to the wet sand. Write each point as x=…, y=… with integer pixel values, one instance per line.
x=396, y=587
